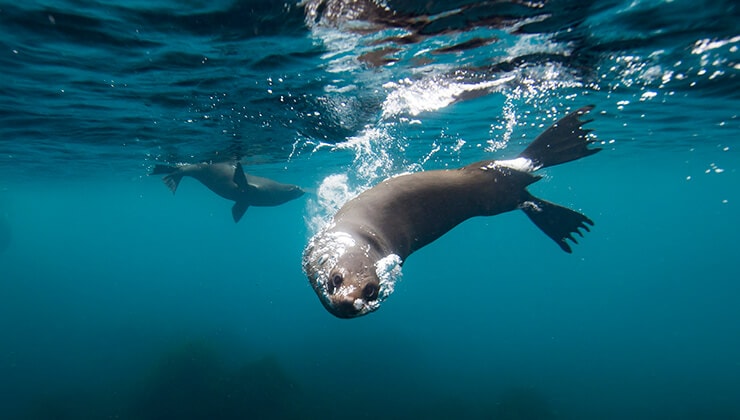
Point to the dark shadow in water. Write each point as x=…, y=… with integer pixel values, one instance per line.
x=191, y=381
x=522, y=404
x=195, y=381
x=5, y=233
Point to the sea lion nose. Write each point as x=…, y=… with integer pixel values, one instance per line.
x=344, y=308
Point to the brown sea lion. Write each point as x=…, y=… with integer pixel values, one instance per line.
x=353, y=263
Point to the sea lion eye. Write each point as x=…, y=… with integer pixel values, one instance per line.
x=336, y=280
x=370, y=291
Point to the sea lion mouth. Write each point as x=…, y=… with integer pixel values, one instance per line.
x=350, y=299
x=348, y=308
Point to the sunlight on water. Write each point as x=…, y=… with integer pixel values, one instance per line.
x=332, y=193
x=409, y=97
x=372, y=162
x=340, y=46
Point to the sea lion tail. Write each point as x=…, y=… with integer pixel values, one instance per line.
x=564, y=141
x=559, y=223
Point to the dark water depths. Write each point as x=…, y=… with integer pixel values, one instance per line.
x=118, y=300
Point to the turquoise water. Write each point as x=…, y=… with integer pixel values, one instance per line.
x=120, y=300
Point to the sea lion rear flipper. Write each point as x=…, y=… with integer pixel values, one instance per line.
x=240, y=178
x=559, y=223
x=173, y=177
x=563, y=142
x=172, y=181
x=240, y=207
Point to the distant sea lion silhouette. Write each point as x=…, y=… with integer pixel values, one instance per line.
x=354, y=262
x=229, y=180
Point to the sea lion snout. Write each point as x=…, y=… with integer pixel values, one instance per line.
x=349, y=306
x=344, y=308
x=294, y=191
x=368, y=286
x=349, y=295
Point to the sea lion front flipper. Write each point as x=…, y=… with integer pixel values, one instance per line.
x=240, y=178
x=559, y=223
x=240, y=207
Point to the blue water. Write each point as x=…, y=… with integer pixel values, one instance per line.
x=120, y=300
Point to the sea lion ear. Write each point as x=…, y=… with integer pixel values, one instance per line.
x=240, y=179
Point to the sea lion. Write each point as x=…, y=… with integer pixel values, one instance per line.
x=353, y=263
x=229, y=180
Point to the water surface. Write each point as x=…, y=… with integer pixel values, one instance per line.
x=118, y=299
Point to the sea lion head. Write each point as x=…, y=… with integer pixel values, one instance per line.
x=349, y=275
x=287, y=192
